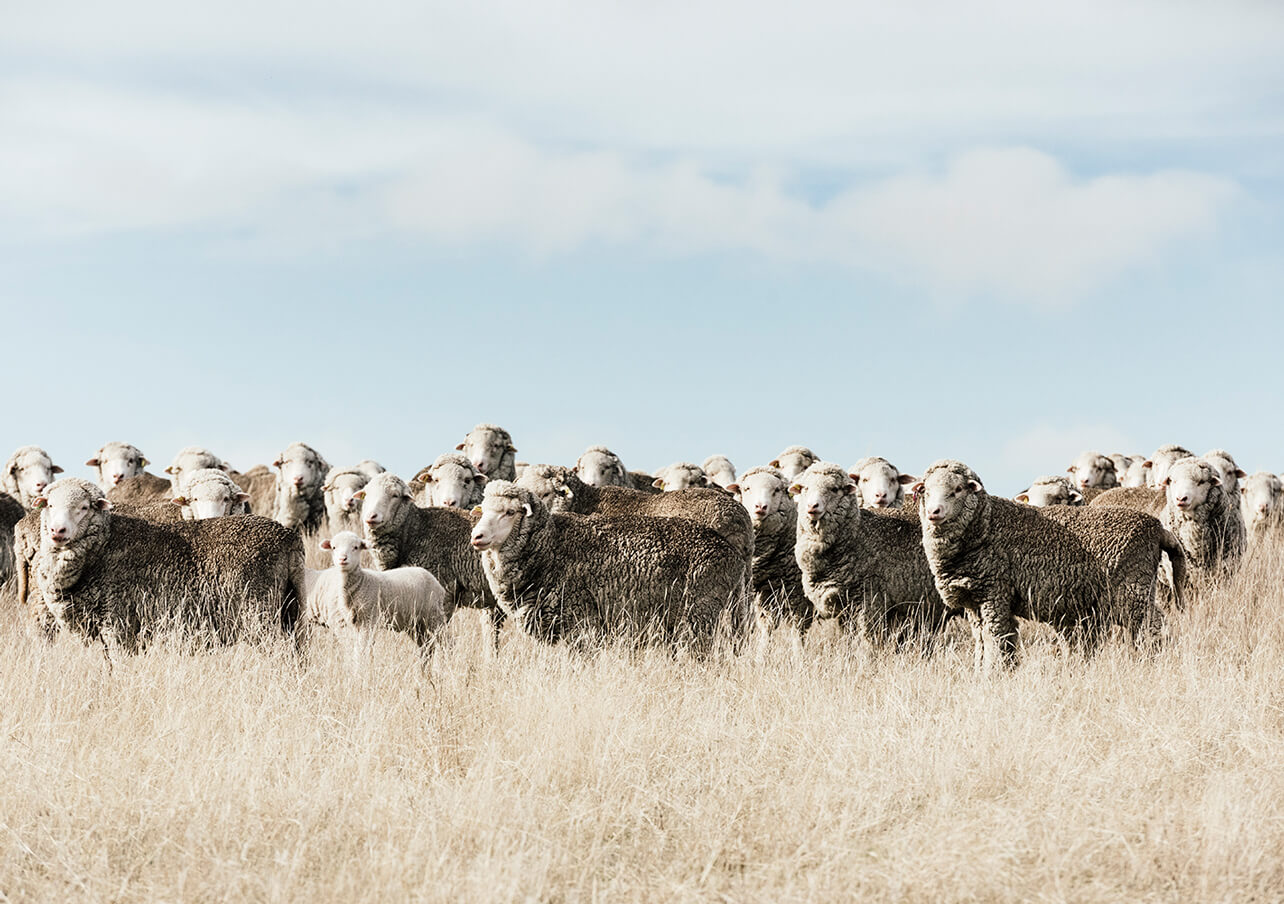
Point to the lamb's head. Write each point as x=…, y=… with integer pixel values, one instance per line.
x=553, y=485
x=821, y=489
x=453, y=481
x=719, y=470
x=1158, y=464
x=68, y=507
x=948, y=495
x=507, y=511
x=1051, y=490
x=116, y=461
x=211, y=494
x=301, y=467
x=28, y=472
x=1228, y=472
x=763, y=491
x=486, y=445
x=345, y=550
x=1192, y=485
x=681, y=475
x=1092, y=470
x=794, y=460
x=600, y=467
x=342, y=486
x=1262, y=498
x=881, y=485
x=189, y=459
x=384, y=501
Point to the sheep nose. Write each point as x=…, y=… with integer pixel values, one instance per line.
x=40, y=485
x=298, y=481
x=372, y=518
x=1183, y=501
x=935, y=514
x=760, y=509
x=813, y=508
x=478, y=538
x=480, y=466
x=450, y=503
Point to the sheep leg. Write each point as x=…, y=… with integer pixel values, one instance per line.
x=998, y=629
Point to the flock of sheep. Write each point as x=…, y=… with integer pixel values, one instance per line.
x=595, y=551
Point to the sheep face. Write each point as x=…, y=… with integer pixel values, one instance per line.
x=600, y=467
x=344, y=488
x=301, y=467
x=680, y=476
x=1228, y=472
x=345, y=550
x=499, y=516
x=1262, y=498
x=819, y=489
x=211, y=494
x=1092, y=470
x=67, y=508
x=1158, y=465
x=794, y=460
x=486, y=446
x=763, y=493
x=879, y=483
x=1190, y=484
x=945, y=494
x=547, y=483
x=1051, y=491
x=382, y=499
x=370, y=468
x=452, y=483
x=30, y=471
x=1135, y=476
x=188, y=460
x=720, y=470
x=116, y=461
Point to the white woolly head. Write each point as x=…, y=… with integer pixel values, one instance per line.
x=116, y=461
x=1158, y=464
x=189, y=459
x=341, y=487
x=301, y=467
x=345, y=550
x=1262, y=498
x=503, y=507
x=1137, y=472
x=453, y=481
x=382, y=499
x=719, y=470
x=1092, y=470
x=681, y=475
x=820, y=489
x=1051, y=490
x=551, y=485
x=1228, y=472
x=881, y=485
x=67, y=508
x=211, y=494
x=486, y=445
x=763, y=491
x=28, y=472
x=370, y=467
x=600, y=467
x=794, y=460
x=1191, y=484
x=948, y=489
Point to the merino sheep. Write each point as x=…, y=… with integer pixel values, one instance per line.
x=491, y=451
x=997, y=559
x=1149, y=500
x=189, y=459
x=300, y=476
x=681, y=475
x=370, y=467
x=719, y=470
x=354, y=600
x=1051, y=490
x=776, y=580
x=104, y=575
x=211, y=493
x=400, y=533
x=1135, y=475
x=260, y=484
x=794, y=460
x=644, y=579
x=881, y=485
x=561, y=490
x=864, y=567
x=598, y=466
x=1203, y=517
x=1262, y=506
x=342, y=506
x=141, y=489
x=116, y=461
x=26, y=474
x=452, y=481
x=1158, y=464
x=1092, y=471
x=11, y=512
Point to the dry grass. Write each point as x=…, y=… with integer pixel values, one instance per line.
x=548, y=775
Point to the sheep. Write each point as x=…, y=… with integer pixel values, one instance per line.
x=1203, y=517
x=300, y=501
x=141, y=489
x=342, y=507
x=881, y=485
x=996, y=559
x=1051, y=490
x=644, y=579
x=26, y=474
x=400, y=533
x=109, y=576
x=491, y=451
x=1149, y=500
x=370, y=467
x=864, y=567
x=1230, y=474
x=1093, y=471
x=11, y=512
x=1135, y=475
x=1121, y=463
x=189, y=459
x=719, y=470
x=681, y=475
x=452, y=481
x=561, y=490
x=1158, y=464
x=598, y=466
x=116, y=461
x=794, y=460
x=1262, y=506
x=776, y=580
x=354, y=600
x=211, y=493
x=260, y=484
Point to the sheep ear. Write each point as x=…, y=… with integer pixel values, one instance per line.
x=658, y=483
x=1022, y=497
x=1243, y=490
x=850, y=488
x=57, y=469
x=1071, y=469
x=169, y=470
x=277, y=463
x=242, y=497
x=103, y=504
x=145, y=463
x=733, y=488
x=1166, y=481
x=179, y=500
x=362, y=544
x=775, y=462
x=795, y=489
x=224, y=466
x=1076, y=496
x=481, y=478
x=527, y=506
x=906, y=479
x=477, y=510
x=975, y=486
x=1240, y=473
x=325, y=544
x=566, y=492
x=359, y=494
x=93, y=462
x=459, y=447
x=917, y=488
x=1147, y=463
x=855, y=477
x=512, y=448
x=38, y=503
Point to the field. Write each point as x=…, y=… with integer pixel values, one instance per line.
x=543, y=774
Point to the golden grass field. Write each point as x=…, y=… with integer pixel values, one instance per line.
x=548, y=775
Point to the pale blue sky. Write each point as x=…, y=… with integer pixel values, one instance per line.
x=673, y=229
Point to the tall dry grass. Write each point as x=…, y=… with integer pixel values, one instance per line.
x=543, y=774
